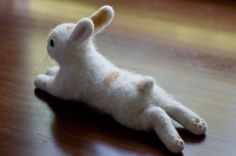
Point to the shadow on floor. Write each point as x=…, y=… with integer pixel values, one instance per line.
x=81, y=130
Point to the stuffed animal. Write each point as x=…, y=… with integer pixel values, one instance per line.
x=132, y=99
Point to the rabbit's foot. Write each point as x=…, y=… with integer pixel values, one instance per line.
x=200, y=126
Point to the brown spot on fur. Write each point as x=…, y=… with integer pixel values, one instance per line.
x=139, y=84
x=111, y=77
x=99, y=18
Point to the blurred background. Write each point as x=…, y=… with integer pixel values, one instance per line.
x=203, y=31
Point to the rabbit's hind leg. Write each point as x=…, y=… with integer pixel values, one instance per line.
x=189, y=119
x=162, y=124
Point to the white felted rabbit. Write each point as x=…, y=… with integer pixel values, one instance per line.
x=133, y=100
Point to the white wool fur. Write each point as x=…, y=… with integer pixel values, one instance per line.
x=134, y=100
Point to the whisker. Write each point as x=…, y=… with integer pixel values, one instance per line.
x=48, y=61
x=41, y=67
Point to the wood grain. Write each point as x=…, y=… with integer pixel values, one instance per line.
x=188, y=46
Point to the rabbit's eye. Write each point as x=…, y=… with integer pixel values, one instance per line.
x=52, y=43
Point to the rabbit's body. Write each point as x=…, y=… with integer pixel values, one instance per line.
x=95, y=80
x=132, y=99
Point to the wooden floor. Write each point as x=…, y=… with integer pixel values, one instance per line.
x=188, y=46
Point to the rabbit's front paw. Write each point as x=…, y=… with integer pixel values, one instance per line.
x=52, y=70
x=41, y=81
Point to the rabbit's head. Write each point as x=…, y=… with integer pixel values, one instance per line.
x=66, y=40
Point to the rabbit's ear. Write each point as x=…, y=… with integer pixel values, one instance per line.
x=102, y=18
x=82, y=31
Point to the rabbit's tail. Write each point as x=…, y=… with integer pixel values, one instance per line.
x=146, y=85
